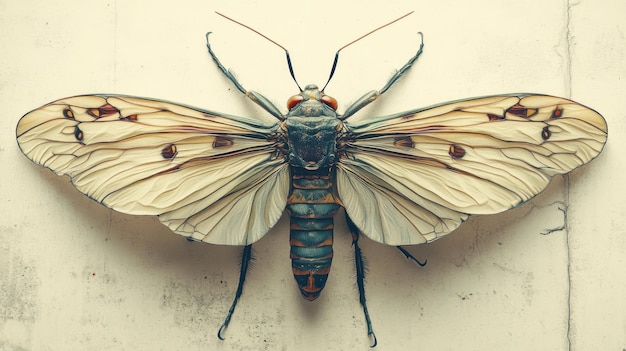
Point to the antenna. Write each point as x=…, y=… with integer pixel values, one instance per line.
x=332, y=70
x=273, y=42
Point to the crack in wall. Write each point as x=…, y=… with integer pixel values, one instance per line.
x=568, y=87
x=568, y=48
x=569, y=265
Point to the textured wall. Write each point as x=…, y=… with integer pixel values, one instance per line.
x=76, y=276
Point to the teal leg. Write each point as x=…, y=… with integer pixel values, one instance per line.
x=411, y=257
x=246, y=256
x=375, y=94
x=360, y=278
x=259, y=99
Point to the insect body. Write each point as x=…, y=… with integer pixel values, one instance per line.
x=312, y=129
x=403, y=179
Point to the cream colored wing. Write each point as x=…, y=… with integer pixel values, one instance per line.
x=436, y=165
x=208, y=176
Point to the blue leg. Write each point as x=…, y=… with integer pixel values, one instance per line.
x=360, y=277
x=411, y=257
x=246, y=256
x=259, y=99
x=375, y=94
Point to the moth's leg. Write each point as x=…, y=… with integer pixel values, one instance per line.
x=375, y=94
x=246, y=256
x=360, y=277
x=259, y=99
x=411, y=257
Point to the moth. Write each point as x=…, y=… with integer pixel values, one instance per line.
x=404, y=179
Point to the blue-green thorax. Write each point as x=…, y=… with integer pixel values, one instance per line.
x=312, y=129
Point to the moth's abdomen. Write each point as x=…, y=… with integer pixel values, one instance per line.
x=311, y=206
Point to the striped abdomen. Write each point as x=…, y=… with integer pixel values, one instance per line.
x=311, y=206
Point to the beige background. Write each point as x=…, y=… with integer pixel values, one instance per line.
x=76, y=276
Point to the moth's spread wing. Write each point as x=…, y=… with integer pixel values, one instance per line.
x=207, y=176
x=413, y=177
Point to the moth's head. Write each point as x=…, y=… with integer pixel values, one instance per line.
x=312, y=102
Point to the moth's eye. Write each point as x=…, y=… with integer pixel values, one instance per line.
x=330, y=102
x=293, y=101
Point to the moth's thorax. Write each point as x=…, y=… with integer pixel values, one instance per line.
x=312, y=141
x=312, y=129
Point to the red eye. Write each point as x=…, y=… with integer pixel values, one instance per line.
x=330, y=102
x=293, y=101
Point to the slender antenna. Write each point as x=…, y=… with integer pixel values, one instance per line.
x=272, y=41
x=332, y=70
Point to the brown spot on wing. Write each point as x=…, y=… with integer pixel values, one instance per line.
x=494, y=117
x=456, y=151
x=557, y=113
x=68, y=113
x=546, y=133
x=169, y=152
x=78, y=134
x=222, y=141
x=404, y=141
x=103, y=111
x=522, y=111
